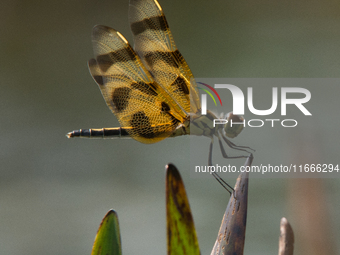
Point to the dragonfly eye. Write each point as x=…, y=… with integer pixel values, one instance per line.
x=234, y=125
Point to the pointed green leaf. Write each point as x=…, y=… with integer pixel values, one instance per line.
x=107, y=240
x=231, y=236
x=182, y=237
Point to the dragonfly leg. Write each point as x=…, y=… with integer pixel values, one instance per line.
x=224, y=154
x=218, y=178
x=234, y=146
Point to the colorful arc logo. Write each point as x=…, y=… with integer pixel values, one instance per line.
x=204, y=97
x=209, y=93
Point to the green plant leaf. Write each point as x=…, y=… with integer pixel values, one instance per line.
x=231, y=236
x=181, y=231
x=107, y=241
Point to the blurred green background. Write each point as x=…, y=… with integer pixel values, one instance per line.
x=54, y=191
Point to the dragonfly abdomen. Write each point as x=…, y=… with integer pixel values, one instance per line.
x=99, y=133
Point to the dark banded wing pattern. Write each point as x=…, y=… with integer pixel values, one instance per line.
x=156, y=47
x=129, y=90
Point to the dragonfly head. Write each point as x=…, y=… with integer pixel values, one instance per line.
x=234, y=125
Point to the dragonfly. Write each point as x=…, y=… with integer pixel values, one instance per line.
x=150, y=88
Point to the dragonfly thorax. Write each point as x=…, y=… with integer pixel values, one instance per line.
x=203, y=125
x=209, y=125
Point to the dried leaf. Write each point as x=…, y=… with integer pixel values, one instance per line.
x=286, y=241
x=231, y=236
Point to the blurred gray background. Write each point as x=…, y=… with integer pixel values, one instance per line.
x=54, y=191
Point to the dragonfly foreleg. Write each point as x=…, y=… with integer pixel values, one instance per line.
x=233, y=146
